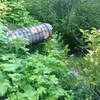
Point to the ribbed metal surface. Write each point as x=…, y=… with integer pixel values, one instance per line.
x=32, y=33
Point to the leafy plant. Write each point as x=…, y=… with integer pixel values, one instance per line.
x=46, y=71
x=16, y=15
x=36, y=76
x=33, y=76
x=67, y=18
x=17, y=45
x=89, y=66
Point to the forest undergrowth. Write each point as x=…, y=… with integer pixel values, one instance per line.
x=66, y=67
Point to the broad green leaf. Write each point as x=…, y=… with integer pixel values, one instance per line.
x=4, y=84
x=16, y=76
x=29, y=92
x=41, y=90
x=10, y=67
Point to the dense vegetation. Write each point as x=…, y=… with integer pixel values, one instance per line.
x=67, y=67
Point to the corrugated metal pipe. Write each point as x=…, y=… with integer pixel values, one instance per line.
x=33, y=33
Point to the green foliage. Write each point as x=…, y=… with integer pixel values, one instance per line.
x=93, y=58
x=67, y=17
x=33, y=76
x=15, y=46
x=4, y=84
x=89, y=65
x=41, y=71
x=3, y=38
x=37, y=76
x=16, y=15
x=48, y=45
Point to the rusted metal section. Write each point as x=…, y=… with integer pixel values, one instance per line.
x=33, y=33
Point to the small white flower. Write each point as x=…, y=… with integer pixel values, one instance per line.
x=57, y=82
x=45, y=76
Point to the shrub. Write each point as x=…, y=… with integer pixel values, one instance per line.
x=67, y=17
x=16, y=15
x=89, y=65
x=16, y=46
x=33, y=76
